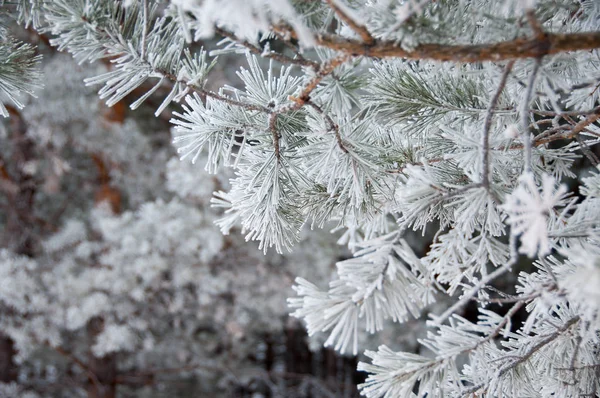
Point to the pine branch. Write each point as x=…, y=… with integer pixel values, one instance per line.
x=520, y=48
x=19, y=72
x=528, y=354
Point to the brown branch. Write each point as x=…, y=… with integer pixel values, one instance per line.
x=275, y=134
x=582, y=125
x=326, y=69
x=103, y=171
x=578, y=128
x=563, y=113
x=523, y=47
x=362, y=31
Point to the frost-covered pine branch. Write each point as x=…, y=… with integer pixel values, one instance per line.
x=464, y=122
x=19, y=72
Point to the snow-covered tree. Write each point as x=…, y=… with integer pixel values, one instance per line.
x=471, y=121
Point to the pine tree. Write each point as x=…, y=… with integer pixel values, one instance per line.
x=465, y=120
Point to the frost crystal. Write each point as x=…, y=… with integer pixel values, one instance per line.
x=529, y=209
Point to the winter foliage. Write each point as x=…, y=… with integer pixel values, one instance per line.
x=468, y=126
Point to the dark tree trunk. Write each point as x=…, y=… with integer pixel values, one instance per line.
x=7, y=367
x=298, y=357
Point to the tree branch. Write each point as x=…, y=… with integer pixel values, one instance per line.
x=485, y=177
x=535, y=348
x=520, y=48
x=331, y=125
x=275, y=134
x=219, y=97
x=146, y=27
x=525, y=135
x=326, y=69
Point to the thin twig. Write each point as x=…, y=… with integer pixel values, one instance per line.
x=274, y=134
x=362, y=30
x=525, y=134
x=572, y=132
x=91, y=375
x=467, y=296
x=146, y=26
x=331, y=125
x=582, y=125
x=508, y=300
x=326, y=69
x=535, y=24
x=456, y=192
x=230, y=101
x=492, y=335
x=207, y=93
x=485, y=177
x=587, y=152
x=520, y=359
x=543, y=112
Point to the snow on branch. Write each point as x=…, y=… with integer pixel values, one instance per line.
x=385, y=280
x=19, y=72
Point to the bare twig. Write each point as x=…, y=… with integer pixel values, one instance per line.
x=467, y=296
x=582, y=125
x=565, y=131
x=563, y=113
x=509, y=299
